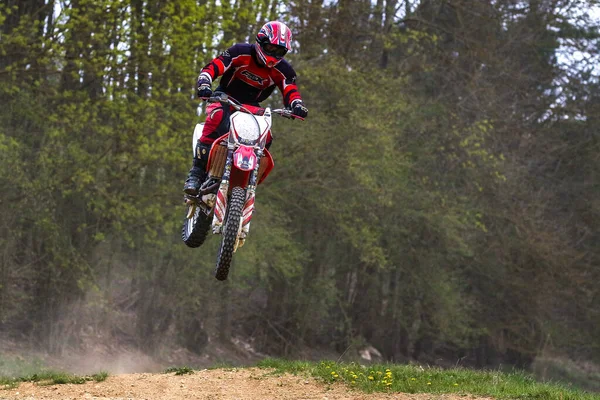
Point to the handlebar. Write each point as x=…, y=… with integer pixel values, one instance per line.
x=224, y=98
x=221, y=97
x=284, y=112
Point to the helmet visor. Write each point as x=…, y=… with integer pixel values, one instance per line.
x=274, y=50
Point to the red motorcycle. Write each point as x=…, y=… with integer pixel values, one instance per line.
x=238, y=162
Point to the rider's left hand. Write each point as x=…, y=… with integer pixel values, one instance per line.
x=299, y=109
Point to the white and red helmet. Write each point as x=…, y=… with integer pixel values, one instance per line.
x=273, y=40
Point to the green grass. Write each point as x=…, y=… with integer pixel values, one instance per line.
x=51, y=378
x=179, y=370
x=414, y=379
x=17, y=370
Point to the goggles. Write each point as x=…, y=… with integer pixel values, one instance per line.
x=274, y=50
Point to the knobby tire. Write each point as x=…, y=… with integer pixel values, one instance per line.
x=230, y=231
x=195, y=229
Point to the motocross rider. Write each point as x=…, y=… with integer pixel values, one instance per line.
x=250, y=73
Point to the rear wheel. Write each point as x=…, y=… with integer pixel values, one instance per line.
x=195, y=228
x=231, y=230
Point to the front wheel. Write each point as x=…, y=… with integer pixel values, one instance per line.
x=230, y=232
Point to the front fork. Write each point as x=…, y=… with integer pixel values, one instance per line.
x=250, y=196
x=221, y=203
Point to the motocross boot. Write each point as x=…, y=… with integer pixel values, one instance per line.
x=197, y=174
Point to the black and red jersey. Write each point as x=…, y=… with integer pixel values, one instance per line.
x=247, y=81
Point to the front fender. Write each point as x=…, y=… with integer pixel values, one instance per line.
x=244, y=158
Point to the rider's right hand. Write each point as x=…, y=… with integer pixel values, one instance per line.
x=204, y=87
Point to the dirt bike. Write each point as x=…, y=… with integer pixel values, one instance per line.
x=237, y=163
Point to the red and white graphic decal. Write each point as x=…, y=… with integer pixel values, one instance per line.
x=248, y=210
x=220, y=207
x=244, y=158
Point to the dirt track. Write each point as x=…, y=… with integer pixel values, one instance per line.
x=207, y=384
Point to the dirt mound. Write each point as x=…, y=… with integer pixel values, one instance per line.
x=213, y=384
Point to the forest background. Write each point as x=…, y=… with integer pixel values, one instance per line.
x=441, y=203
